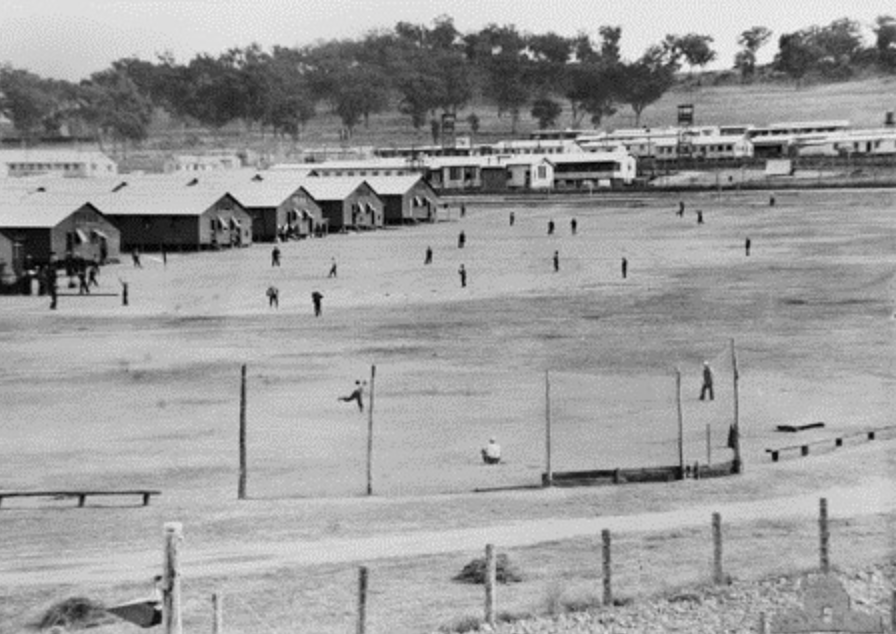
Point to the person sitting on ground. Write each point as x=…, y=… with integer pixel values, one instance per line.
x=491, y=454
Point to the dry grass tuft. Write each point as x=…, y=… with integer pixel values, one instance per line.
x=75, y=613
x=505, y=571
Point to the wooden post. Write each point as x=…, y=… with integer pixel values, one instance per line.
x=218, y=613
x=370, y=434
x=763, y=623
x=171, y=604
x=241, y=490
x=738, y=463
x=607, y=569
x=680, y=423
x=362, y=600
x=823, y=536
x=717, y=574
x=708, y=445
x=549, y=474
x=490, y=581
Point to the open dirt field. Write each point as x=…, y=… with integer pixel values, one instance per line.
x=97, y=395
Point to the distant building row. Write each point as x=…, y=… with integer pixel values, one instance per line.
x=50, y=219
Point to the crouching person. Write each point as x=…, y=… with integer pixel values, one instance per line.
x=491, y=454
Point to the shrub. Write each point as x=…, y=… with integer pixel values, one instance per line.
x=505, y=571
x=74, y=613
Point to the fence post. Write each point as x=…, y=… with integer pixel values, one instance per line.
x=680, y=423
x=607, y=569
x=171, y=604
x=362, y=600
x=717, y=573
x=490, y=580
x=549, y=474
x=370, y=434
x=218, y=613
x=241, y=489
x=823, y=535
x=708, y=445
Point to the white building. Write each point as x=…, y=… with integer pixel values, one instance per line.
x=65, y=162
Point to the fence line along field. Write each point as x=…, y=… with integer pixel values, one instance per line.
x=147, y=394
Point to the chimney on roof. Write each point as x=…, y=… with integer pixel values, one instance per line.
x=120, y=186
x=195, y=181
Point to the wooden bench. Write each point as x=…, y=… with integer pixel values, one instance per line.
x=838, y=441
x=81, y=495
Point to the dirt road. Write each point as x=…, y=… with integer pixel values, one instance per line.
x=872, y=496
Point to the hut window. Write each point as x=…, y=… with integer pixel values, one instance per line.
x=82, y=237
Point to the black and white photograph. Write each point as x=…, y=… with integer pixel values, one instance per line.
x=396, y=317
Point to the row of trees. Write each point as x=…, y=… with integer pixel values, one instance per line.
x=423, y=71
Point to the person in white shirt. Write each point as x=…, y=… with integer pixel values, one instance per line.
x=492, y=452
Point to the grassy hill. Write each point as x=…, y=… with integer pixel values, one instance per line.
x=862, y=102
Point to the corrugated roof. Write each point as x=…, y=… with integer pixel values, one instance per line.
x=35, y=214
x=158, y=201
x=393, y=185
x=589, y=157
x=332, y=188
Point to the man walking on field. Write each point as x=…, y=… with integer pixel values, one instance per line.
x=707, y=382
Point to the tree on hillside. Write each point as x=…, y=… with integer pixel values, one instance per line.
x=609, y=44
x=216, y=91
x=359, y=93
x=646, y=80
x=833, y=51
x=594, y=88
x=507, y=86
x=546, y=111
x=291, y=104
x=751, y=40
x=885, y=41
x=796, y=55
x=593, y=82
x=549, y=55
x=694, y=48
x=26, y=99
x=113, y=104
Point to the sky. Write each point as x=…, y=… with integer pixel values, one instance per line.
x=70, y=39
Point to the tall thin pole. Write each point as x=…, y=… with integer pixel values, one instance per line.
x=217, y=613
x=738, y=463
x=606, y=560
x=370, y=434
x=362, y=600
x=549, y=474
x=490, y=583
x=824, y=536
x=680, y=423
x=171, y=602
x=241, y=490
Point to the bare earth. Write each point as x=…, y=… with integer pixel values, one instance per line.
x=106, y=396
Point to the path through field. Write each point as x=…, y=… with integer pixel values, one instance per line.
x=872, y=496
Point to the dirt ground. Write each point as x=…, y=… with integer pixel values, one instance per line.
x=98, y=395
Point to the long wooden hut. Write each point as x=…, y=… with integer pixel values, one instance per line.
x=346, y=203
x=40, y=230
x=177, y=218
x=406, y=199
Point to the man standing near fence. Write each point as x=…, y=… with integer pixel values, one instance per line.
x=707, y=382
